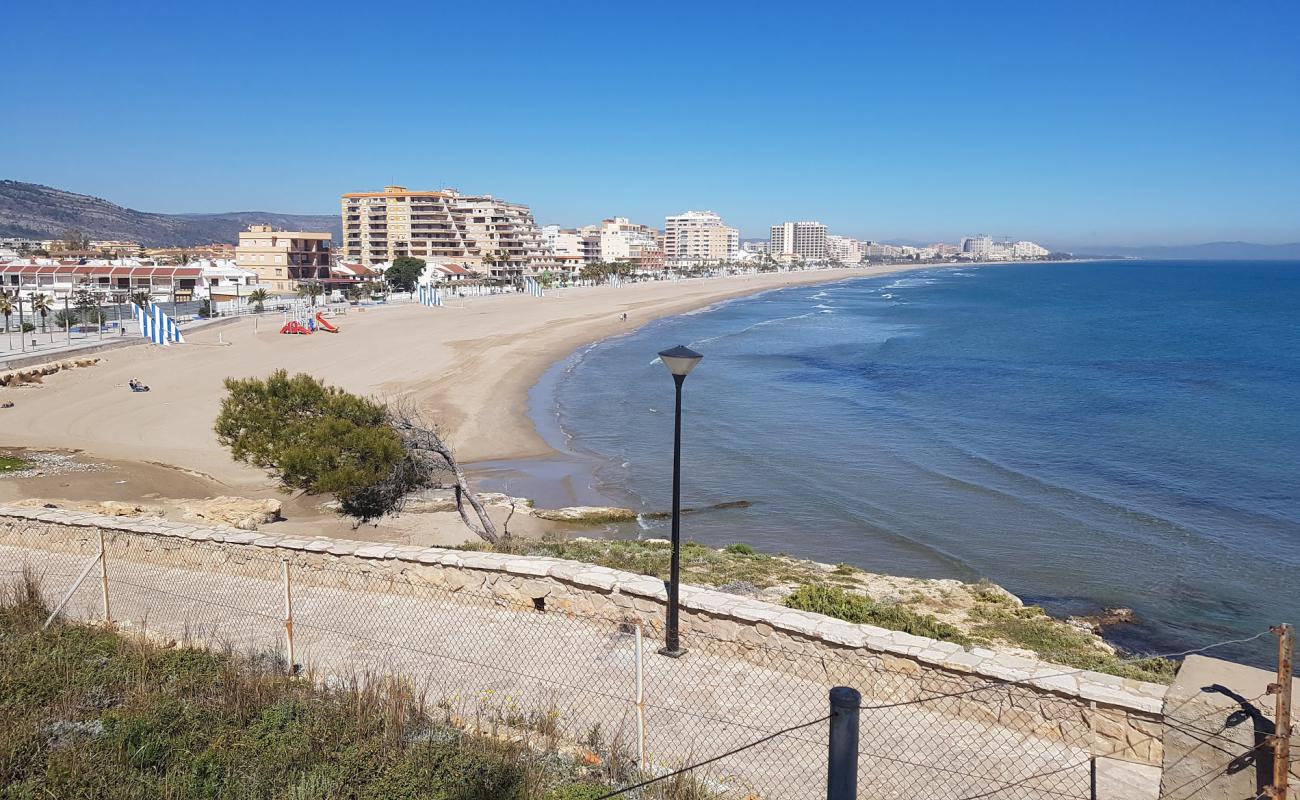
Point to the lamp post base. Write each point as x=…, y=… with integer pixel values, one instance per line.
x=671, y=652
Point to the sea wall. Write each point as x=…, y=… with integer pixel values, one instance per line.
x=1110, y=716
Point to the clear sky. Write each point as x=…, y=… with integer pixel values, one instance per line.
x=1068, y=122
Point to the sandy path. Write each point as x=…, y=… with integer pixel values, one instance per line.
x=471, y=366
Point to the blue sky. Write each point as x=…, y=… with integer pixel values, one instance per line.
x=1071, y=123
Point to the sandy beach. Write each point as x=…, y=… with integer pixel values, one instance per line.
x=469, y=365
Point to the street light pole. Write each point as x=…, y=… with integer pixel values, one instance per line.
x=679, y=361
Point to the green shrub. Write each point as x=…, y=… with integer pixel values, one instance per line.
x=318, y=438
x=836, y=602
x=739, y=548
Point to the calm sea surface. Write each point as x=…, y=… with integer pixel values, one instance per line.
x=1087, y=435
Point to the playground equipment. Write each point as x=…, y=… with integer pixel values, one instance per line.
x=294, y=326
x=324, y=324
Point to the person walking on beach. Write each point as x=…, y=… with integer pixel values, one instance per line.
x=624, y=316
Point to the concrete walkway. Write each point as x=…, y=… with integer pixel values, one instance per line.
x=508, y=669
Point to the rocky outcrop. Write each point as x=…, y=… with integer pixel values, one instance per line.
x=35, y=375
x=237, y=512
x=588, y=515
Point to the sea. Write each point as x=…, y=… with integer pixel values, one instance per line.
x=1087, y=434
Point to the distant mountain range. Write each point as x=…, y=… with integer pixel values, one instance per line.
x=30, y=210
x=1223, y=251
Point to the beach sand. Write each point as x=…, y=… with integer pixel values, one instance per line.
x=468, y=365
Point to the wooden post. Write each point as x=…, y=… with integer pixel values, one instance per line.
x=103, y=577
x=288, y=615
x=1282, y=728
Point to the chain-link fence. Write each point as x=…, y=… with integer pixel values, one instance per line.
x=593, y=685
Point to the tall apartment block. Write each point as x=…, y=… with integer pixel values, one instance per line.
x=699, y=237
x=798, y=241
x=283, y=258
x=479, y=232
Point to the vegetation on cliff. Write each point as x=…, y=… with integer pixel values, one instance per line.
x=969, y=614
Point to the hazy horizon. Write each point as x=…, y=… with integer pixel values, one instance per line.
x=1076, y=126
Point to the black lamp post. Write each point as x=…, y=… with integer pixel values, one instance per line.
x=679, y=361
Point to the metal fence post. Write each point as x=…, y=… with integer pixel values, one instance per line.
x=288, y=614
x=640, y=704
x=1282, y=728
x=842, y=761
x=103, y=576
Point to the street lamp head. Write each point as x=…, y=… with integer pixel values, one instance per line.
x=680, y=360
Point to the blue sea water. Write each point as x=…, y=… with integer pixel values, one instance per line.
x=1085, y=434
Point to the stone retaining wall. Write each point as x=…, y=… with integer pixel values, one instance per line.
x=1111, y=716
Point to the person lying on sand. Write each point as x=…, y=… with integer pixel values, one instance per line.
x=137, y=386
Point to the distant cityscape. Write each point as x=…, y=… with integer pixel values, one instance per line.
x=459, y=237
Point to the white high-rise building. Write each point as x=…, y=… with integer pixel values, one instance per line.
x=1029, y=250
x=569, y=243
x=699, y=237
x=798, y=241
x=622, y=240
x=843, y=249
x=978, y=247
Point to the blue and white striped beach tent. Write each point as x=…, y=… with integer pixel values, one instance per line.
x=157, y=326
x=616, y=280
x=533, y=287
x=428, y=295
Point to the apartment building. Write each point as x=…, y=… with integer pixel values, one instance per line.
x=505, y=240
x=843, y=249
x=480, y=232
x=978, y=247
x=699, y=237
x=568, y=244
x=283, y=258
x=798, y=241
x=381, y=226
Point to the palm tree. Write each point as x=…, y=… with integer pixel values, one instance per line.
x=7, y=308
x=258, y=298
x=311, y=289
x=41, y=305
x=141, y=297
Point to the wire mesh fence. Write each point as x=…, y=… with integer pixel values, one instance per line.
x=509, y=666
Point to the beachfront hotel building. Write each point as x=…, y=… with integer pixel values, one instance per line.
x=694, y=238
x=571, y=245
x=282, y=259
x=798, y=241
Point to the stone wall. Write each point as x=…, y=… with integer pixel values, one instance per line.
x=1108, y=715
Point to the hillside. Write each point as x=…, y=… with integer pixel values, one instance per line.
x=1214, y=251
x=35, y=211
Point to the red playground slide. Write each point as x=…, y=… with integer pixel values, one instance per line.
x=293, y=326
x=325, y=325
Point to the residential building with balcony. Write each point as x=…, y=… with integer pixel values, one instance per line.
x=843, y=249
x=282, y=259
x=695, y=238
x=480, y=232
x=381, y=226
x=798, y=241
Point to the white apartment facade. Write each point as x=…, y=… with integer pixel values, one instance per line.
x=798, y=241
x=843, y=249
x=695, y=238
x=566, y=244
